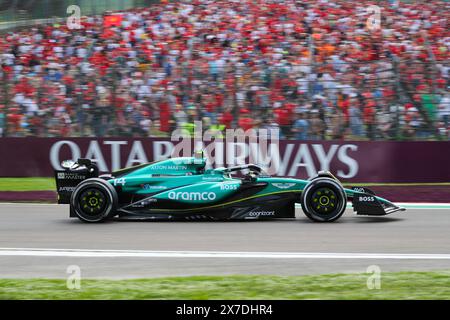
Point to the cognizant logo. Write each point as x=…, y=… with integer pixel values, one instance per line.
x=192, y=196
x=261, y=213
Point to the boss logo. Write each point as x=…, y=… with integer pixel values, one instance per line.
x=367, y=199
x=227, y=186
x=193, y=196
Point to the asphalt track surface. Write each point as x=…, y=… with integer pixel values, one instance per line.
x=41, y=241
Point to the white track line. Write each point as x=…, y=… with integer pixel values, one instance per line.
x=27, y=204
x=87, y=253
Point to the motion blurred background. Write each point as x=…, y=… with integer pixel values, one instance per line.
x=314, y=69
x=369, y=102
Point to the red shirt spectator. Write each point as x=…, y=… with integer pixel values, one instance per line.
x=164, y=117
x=245, y=122
x=226, y=119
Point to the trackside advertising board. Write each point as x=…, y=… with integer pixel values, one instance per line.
x=350, y=161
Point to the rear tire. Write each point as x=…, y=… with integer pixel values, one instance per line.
x=94, y=200
x=323, y=200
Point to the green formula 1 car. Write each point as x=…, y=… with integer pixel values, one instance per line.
x=181, y=188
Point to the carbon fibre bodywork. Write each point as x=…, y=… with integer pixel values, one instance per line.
x=181, y=188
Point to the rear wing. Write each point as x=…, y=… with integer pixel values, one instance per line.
x=73, y=173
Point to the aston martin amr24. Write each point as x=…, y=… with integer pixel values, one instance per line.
x=182, y=189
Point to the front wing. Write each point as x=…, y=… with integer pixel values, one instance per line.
x=365, y=202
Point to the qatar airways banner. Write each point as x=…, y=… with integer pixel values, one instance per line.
x=350, y=161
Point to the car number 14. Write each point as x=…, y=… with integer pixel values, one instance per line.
x=119, y=182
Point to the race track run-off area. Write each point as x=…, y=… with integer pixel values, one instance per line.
x=40, y=241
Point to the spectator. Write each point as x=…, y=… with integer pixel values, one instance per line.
x=210, y=59
x=317, y=126
x=2, y=119
x=444, y=110
x=301, y=127
x=355, y=119
x=245, y=121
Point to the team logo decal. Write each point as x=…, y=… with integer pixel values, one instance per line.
x=152, y=187
x=261, y=213
x=285, y=185
x=70, y=176
x=192, y=196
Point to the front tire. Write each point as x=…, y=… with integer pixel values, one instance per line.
x=323, y=200
x=94, y=200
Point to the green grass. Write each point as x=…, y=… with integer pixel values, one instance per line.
x=48, y=184
x=27, y=184
x=399, y=285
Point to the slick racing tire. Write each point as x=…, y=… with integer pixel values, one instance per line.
x=323, y=200
x=94, y=200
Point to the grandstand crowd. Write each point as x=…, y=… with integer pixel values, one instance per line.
x=314, y=69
